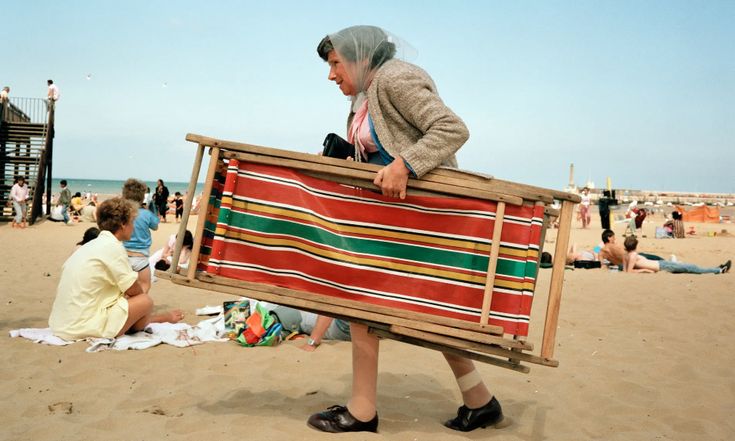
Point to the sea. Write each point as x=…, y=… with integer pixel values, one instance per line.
x=114, y=187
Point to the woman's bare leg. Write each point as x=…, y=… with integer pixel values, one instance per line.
x=140, y=310
x=365, y=346
x=144, y=278
x=476, y=395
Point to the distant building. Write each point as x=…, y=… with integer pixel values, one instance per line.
x=571, y=187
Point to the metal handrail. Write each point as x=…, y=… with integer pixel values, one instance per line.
x=26, y=110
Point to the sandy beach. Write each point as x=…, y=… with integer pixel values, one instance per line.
x=642, y=357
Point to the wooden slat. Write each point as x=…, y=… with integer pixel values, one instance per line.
x=557, y=280
x=466, y=354
x=471, y=346
x=445, y=175
x=430, y=318
x=495, y=331
x=367, y=184
x=351, y=308
x=190, y=193
x=492, y=262
x=203, y=212
x=551, y=212
x=369, y=176
x=383, y=330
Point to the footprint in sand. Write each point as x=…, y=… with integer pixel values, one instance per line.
x=157, y=410
x=61, y=406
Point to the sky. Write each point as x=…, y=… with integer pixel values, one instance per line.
x=641, y=92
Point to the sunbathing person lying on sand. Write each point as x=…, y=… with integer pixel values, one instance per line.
x=99, y=294
x=575, y=254
x=614, y=253
x=635, y=263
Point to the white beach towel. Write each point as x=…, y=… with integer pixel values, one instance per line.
x=40, y=335
x=177, y=334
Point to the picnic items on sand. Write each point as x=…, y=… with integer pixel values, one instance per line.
x=251, y=328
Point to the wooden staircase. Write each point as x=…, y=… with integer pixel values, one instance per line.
x=24, y=143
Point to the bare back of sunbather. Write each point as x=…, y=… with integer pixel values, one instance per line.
x=638, y=262
x=614, y=253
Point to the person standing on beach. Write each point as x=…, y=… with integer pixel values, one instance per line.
x=396, y=120
x=138, y=246
x=150, y=201
x=4, y=95
x=161, y=199
x=98, y=293
x=179, y=201
x=64, y=201
x=4, y=100
x=53, y=92
x=603, y=205
x=584, y=207
x=147, y=198
x=19, y=196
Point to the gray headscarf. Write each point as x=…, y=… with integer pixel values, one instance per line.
x=365, y=49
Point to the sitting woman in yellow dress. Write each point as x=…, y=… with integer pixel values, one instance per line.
x=99, y=294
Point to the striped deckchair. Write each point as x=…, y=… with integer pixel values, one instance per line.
x=448, y=272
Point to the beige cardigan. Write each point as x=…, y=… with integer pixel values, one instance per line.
x=411, y=120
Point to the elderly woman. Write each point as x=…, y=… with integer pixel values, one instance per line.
x=398, y=120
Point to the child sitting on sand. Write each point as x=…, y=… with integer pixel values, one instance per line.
x=77, y=203
x=675, y=226
x=99, y=294
x=138, y=246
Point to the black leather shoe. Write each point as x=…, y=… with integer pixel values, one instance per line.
x=468, y=419
x=725, y=267
x=338, y=419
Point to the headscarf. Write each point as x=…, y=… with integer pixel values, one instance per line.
x=365, y=49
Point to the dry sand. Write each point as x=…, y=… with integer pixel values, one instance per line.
x=642, y=357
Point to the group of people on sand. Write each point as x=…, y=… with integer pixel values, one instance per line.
x=626, y=257
x=159, y=202
x=70, y=208
x=99, y=293
x=397, y=120
x=105, y=283
x=634, y=215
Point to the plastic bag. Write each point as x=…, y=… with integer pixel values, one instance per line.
x=261, y=329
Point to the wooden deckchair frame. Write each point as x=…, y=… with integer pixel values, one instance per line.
x=479, y=341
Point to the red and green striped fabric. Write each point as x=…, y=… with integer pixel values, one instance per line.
x=427, y=254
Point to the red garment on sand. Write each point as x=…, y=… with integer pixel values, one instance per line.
x=639, y=216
